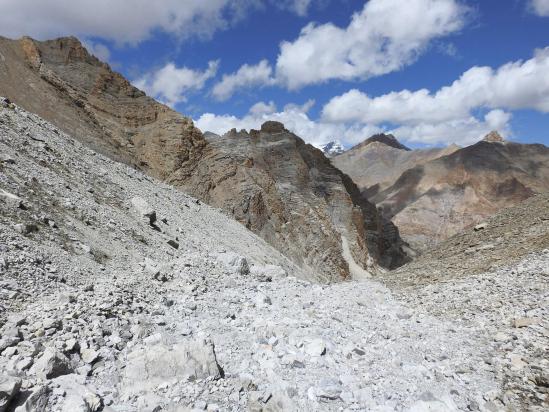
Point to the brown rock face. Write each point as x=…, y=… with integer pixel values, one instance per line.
x=505, y=238
x=438, y=199
x=376, y=164
x=61, y=82
x=269, y=180
x=439, y=192
x=289, y=193
x=493, y=137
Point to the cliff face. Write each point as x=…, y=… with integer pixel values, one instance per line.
x=271, y=181
x=61, y=82
x=289, y=193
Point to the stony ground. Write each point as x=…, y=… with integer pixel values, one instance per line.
x=118, y=293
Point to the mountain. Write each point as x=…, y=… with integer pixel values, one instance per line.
x=435, y=200
x=289, y=193
x=378, y=162
x=332, y=148
x=503, y=239
x=386, y=139
x=432, y=194
x=61, y=82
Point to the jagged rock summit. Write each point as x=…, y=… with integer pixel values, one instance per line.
x=60, y=81
x=332, y=148
x=493, y=137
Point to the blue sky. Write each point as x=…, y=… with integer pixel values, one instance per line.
x=432, y=72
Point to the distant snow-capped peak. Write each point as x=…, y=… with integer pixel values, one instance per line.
x=332, y=148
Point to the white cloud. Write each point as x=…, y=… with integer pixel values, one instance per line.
x=261, y=108
x=247, y=76
x=294, y=117
x=385, y=36
x=299, y=7
x=123, y=21
x=128, y=21
x=448, y=114
x=463, y=131
x=170, y=83
x=516, y=85
x=99, y=50
x=540, y=7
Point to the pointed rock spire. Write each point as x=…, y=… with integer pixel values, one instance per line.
x=493, y=137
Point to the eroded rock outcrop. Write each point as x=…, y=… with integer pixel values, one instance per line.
x=61, y=82
x=289, y=193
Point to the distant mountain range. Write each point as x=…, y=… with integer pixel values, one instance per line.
x=432, y=194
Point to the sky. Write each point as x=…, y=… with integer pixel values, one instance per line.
x=431, y=72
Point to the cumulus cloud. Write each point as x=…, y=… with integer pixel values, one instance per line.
x=122, y=21
x=463, y=131
x=299, y=7
x=385, y=36
x=128, y=21
x=448, y=114
x=515, y=85
x=99, y=50
x=247, y=76
x=540, y=7
x=171, y=83
x=295, y=118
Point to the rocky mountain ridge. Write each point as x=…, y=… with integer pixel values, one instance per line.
x=288, y=192
x=376, y=164
x=386, y=139
x=60, y=81
x=438, y=199
x=439, y=192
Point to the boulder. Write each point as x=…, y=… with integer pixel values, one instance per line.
x=88, y=355
x=37, y=401
x=149, y=365
x=266, y=273
x=143, y=209
x=262, y=300
x=317, y=347
x=51, y=364
x=12, y=201
x=9, y=388
x=8, y=341
x=78, y=397
x=480, y=226
x=233, y=262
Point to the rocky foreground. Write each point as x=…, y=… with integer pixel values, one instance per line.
x=119, y=293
